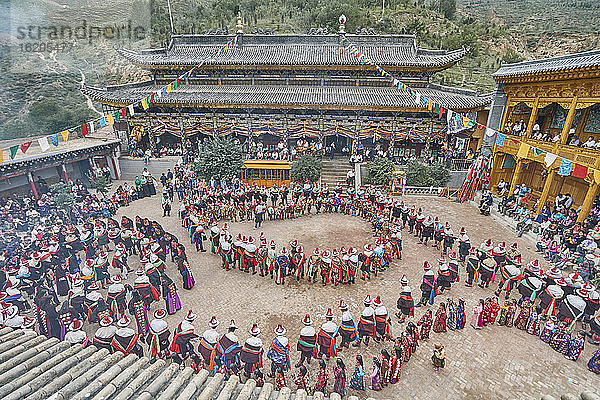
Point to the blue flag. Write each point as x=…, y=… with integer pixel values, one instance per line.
x=54, y=139
x=102, y=122
x=565, y=167
x=500, y=139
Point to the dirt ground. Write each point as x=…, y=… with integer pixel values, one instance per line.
x=498, y=362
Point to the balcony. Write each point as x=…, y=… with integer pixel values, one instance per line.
x=586, y=157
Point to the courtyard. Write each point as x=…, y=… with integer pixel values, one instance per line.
x=498, y=362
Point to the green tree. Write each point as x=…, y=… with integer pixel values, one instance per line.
x=379, y=171
x=100, y=183
x=417, y=174
x=448, y=8
x=440, y=175
x=306, y=167
x=512, y=56
x=62, y=195
x=221, y=158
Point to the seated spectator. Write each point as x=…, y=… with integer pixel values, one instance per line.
x=574, y=141
x=590, y=143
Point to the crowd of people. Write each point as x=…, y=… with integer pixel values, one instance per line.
x=53, y=277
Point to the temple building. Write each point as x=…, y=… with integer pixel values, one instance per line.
x=553, y=106
x=291, y=86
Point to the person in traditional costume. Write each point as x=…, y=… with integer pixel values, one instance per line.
x=358, y=382
x=461, y=318
x=524, y=314
x=321, y=384
x=105, y=334
x=427, y=286
x=439, y=322
x=510, y=277
x=382, y=321
x=116, y=297
x=158, y=336
x=453, y=267
x=529, y=288
x=510, y=313
x=250, y=256
x=464, y=244
x=91, y=304
x=339, y=373
x=535, y=319
x=438, y=357
x=444, y=279
x=313, y=265
x=449, y=238
x=302, y=380
x=405, y=303
x=426, y=231
x=169, y=294
x=487, y=271
x=262, y=255
x=326, y=336
x=366, y=324
x=347, y=328
x=594, y=333
x=376, y=375
x=298, y=261
x=451, y=308
x=125, y=339
x=138, y=309
x=472, y=267
x=560, y=339
x=251, y=354
x=101, y=269
x=280, y=266
x=425, y=323
x=279, y=351
x=182, y=346
x=550, y=299
x=76, y=335
x=228, y=349
x=208, y=344
x=594, y=362
x=548, y=330
x=366, y=259
x=186, y=274
x=307, y=342
x=146, y=290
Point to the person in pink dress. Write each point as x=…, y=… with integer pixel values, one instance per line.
x=477, y=320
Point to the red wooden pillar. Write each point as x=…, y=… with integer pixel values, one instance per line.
x=114, y=164
x=32, y=183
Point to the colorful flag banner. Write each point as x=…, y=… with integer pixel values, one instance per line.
x=43, y=142
x=92, y=127
x=565, y=167
x=110, y=119
x=64, y=134
x=54, y=138
x=489, y=132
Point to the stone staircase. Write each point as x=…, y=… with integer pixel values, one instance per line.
x=334, y=171
x=33, y=367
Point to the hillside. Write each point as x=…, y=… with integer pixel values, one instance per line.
x=40, y=88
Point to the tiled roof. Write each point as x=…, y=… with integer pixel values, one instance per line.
x=554, y=64
x=35, y=368
x=292, y=50
x=294, y=95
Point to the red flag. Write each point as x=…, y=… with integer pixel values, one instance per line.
x=441, y=112
x=25, y=147
x=84, y=129
x=579, y=171
x=124, y=112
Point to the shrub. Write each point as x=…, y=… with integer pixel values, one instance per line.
x=306, y=167
x=221, y=158
x=379, y=171
x=418, y=174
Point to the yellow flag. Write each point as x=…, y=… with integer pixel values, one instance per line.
x=429, y=104
x=169, y=88
x=144, y=104
x=1, y=156
x=65, y=135
x=523, y=150
x=110, y=119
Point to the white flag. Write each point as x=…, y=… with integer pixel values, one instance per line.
x=130, y=108
x=418, y=98
x=549, y=159
x=450, y=115
x=489, y=132
x=92, y=126
x=44, y=143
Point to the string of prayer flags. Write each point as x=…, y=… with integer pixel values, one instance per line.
x=92, y=127
x=102, y=122
x=131, y=109
x=64, y=134
x=145, y=104
x=110, y=119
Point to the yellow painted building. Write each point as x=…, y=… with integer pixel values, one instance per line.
x=559, y=99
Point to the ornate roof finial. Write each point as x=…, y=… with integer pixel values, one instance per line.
x=239, y=26
x=342, y=24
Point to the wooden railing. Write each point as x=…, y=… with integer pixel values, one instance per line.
x=580, y=155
